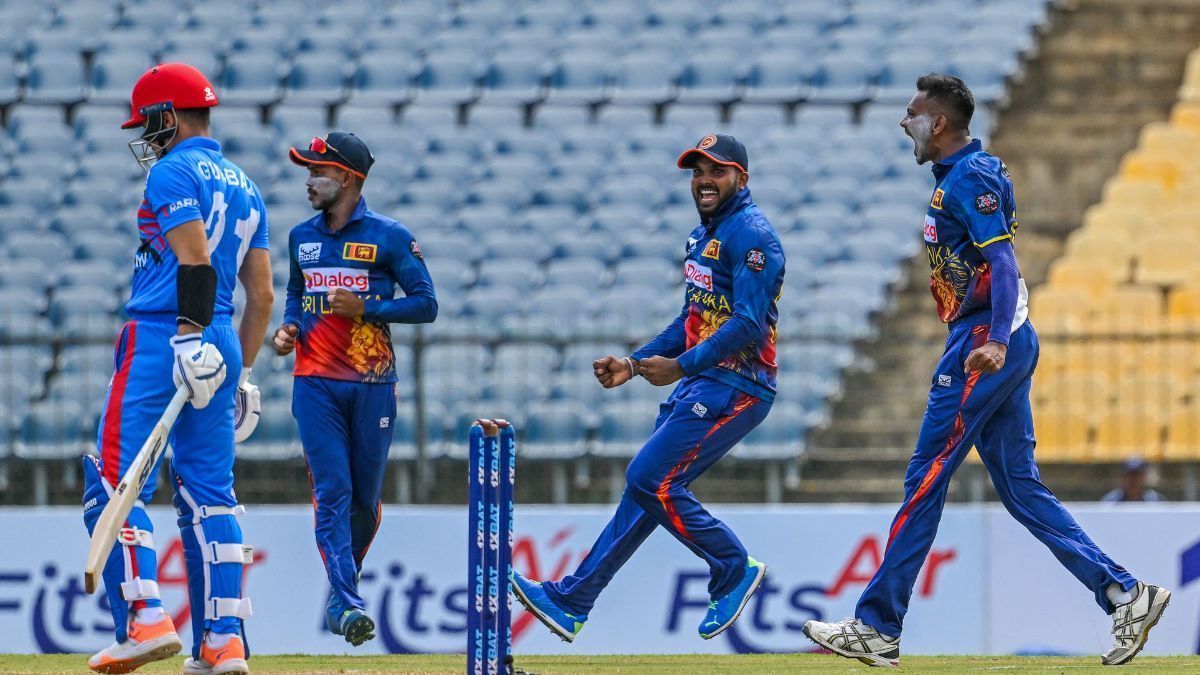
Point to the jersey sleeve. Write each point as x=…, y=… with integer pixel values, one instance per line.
x=173, y=194
x=293, y=305
x=977, y=199
x=261, y=237
x=404, y=260
x=757, y=267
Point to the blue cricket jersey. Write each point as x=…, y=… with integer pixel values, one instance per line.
x=193, y=181
x=733, y=275
x=370, y=255
x=972, y=207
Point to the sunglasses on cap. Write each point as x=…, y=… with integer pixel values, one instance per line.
x=320, y=146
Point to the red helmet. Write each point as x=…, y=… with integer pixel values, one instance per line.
x=169, y=86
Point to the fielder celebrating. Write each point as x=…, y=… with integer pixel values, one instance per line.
x=203, y=226
x=345, y=265
x=721, y=349
x=980, y=395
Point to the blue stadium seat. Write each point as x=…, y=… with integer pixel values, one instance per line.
x=52, y=430
x=842, y=78
x=250, y=78
x=11, y=88
x=363, y=120
x=509, y=273
x=448, y=78
x=513, y=78
x=750, y=119
x=275, y=438
x=429, y=117
x=80, y=301
x=985, y=77
x=624, y=427
x=711, y=77
x=317, y=78
x=490, y=115
x=458, y=359
x=643, y=79
x=206, y=61
x=579, y=79
x=779, y=436
x=693, y=120
x=556, y=429
x=55, y=78
x=224, y=19
x=898, y=80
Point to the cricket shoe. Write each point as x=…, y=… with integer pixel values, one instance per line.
x=723, y=611
x=228, y=658
x=146, y=643
x=855, y=640
x=356, y=626
x=531, y=594
x=1132, y=622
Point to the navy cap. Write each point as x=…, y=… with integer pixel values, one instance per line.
x=720, y=148
x=1134, y=464
x=339, y=149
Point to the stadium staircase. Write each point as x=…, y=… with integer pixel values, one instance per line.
x=1102, y=70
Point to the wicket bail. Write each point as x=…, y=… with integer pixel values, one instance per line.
x=492, y=469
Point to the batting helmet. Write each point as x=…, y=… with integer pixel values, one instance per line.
x=169, y=86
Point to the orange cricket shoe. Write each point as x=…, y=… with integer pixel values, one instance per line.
x=229, y=658
x=146, y=643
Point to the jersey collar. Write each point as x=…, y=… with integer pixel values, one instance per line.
x=357, y=214
x=198, y=142
x=944, y=164
x=737, y=201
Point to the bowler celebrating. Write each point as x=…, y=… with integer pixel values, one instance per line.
x=346, y=262
x=979, y=397
x=203, y=226
x=721, y=349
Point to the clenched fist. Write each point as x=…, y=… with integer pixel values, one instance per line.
x=285, y=339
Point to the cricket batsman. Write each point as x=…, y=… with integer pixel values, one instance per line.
x=203, y=226
x=979, y=395
x=346, y=262
x=721, y=350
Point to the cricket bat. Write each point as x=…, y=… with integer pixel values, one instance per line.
x=112, y=518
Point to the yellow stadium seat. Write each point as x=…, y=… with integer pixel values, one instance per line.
x=1178, y=359
x=1093, y=277
x=1104, y=248
x=1186, y=115
x=1178, y=220
x=1183, y=310
x=1122, y=190
x=1165, y=261
x=1128, y=310
x=1086, y=392
x=1114, y=219
x=1062, y=436
x=1172, y=140
x=1142, y=165
x=1190, y=89
x=1154, y=393
x=1059, y=311
x=1183, y=434
x=1122, y=433
x=1080, y=358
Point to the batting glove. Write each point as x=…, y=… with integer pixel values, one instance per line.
x=199, y=367
x=247, y=408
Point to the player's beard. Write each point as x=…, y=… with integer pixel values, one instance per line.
x=920, y=130
x=722, y=196
x=323, y=192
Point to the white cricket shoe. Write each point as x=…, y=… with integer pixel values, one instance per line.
x=855, y=640
x=1132, y=622
x=146, y=643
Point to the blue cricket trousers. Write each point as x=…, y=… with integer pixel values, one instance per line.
x=346, y=430
x=201, y=473
x=992, y=413
x=700, y=422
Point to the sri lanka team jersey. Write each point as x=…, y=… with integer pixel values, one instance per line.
x=733, y=274
x=193, y=181
x=972, y=207
x=370, y=256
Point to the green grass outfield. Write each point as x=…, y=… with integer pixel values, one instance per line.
x=692, y=664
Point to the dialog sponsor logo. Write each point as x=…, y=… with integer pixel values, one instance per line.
x=698, y=275
x=325, y=279
x=930, y=230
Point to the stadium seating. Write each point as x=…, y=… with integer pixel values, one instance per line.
x=531, y=149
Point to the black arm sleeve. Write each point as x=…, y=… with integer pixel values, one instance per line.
x=196, y=294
